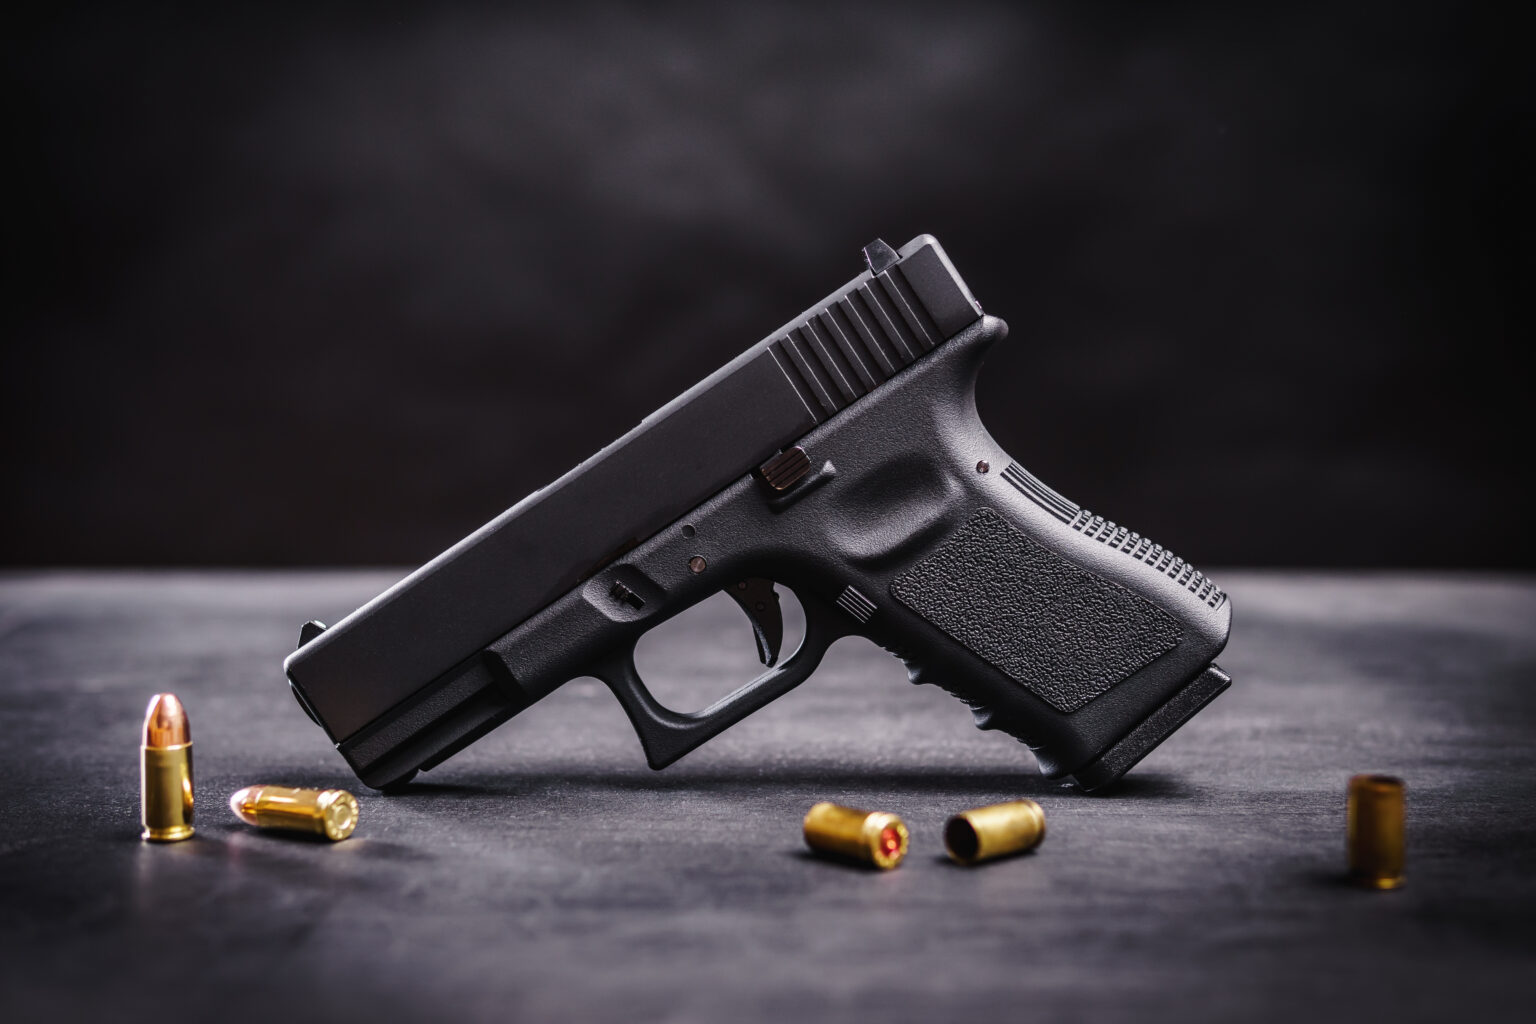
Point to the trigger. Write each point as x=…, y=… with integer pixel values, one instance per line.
x=761, y=603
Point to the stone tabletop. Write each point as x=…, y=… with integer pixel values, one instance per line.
x=547, y=874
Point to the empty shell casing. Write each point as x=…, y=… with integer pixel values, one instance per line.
x=331, y=813
x=165, y=771
x=1375, y=831
x=994, y=831
x=877, y=838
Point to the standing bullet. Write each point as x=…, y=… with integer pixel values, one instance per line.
x=331, y=813
x=870, y=837
x=1375, y=830
x=165, y=770
x=994, y=831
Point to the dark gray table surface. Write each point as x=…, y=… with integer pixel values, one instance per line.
x=547, y=874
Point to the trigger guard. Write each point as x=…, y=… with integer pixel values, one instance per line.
x=666, y=735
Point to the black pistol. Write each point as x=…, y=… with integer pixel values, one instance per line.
x=841, y=457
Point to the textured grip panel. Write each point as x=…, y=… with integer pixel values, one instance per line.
x=1064, y=633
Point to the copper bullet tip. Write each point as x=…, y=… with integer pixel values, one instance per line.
x=165, y=722
x=243, y=803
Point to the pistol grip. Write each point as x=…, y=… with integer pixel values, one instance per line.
x=1092, y=653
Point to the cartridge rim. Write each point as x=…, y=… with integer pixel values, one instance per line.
x=1380, y=882
x=338, y=813
x=880, y=828
x=173, y=834
x=878, y=839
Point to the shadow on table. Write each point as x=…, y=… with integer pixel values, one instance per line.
x=756, y=781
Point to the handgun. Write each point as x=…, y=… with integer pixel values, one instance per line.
x=841, y=458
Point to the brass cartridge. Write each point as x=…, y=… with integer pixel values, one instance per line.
x=165, y=771
x=331, y=813
x=876, y=838
x=1374, y=826
x=999, y=830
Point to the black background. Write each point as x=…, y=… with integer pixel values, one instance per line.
x=332, y=285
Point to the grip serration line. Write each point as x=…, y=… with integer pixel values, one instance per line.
x=1143, y=550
